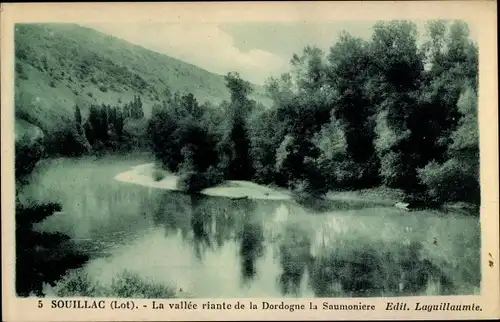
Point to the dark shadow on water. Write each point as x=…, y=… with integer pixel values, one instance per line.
x=41, y=257
x=173, y=212
x=201, y=219
x=211, y=221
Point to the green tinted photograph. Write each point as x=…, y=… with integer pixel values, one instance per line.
x=247, y=159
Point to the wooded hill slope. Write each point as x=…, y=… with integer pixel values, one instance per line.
x=59, y=66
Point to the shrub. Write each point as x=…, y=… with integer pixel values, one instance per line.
x=192, y=181
x=52, y=83
x=103, y=88
x=158, y=175
x=214, y=176
x=130, y=285
x=391, y=169
x=66, y=141
x=124, y=285
x=78, y=283
x=27, y=155
x=301, y=189
x=19, y=68
x=21, y=53
x=453, y=180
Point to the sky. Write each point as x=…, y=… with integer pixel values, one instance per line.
x=256, y=50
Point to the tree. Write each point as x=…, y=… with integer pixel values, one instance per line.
x=78, y=115
x=303, y=100
x=135, y=108
x=118, y=122
x=184, y=143
x=457, y=178
x=450, y=101
x=349, y=75
x=266, y=134
x=162, y=131
x=396, y=74
x=309, y=69
x=236, y=145
x=452, y=61
x=191, y=106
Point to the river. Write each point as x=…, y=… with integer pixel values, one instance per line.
x=213, y=247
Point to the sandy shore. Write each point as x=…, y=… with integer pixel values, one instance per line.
x=144, y=175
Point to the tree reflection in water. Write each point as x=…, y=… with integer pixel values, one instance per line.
x=200, y=224
x=295, y=256
x=361, y=269
x=348, y=267
x=251, y=240
x=173, y=213
x=224, y=222
x=203, y=221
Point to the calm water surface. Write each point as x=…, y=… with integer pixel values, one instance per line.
x=218, y=247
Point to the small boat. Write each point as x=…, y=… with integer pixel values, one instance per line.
x=240, y=198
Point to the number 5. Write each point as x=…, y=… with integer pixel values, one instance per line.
x=40, y=304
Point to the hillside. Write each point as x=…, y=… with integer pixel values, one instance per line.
x=60, y=65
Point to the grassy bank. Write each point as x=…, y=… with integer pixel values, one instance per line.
x=381, y=195
x=377, y=196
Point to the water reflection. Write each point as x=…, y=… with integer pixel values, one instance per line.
x=251, y=244
x=173, y=213
x=295, y=256
x=212, y=246
x=201, y=220
x=270, y=237
x=209, y=223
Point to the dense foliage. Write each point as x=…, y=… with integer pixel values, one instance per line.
x=390, y=110
x=105, y=128
x=384, y=111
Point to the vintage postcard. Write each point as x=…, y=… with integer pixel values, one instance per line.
x=249, y=161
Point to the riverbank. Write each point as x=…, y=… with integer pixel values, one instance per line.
x=150, y=175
